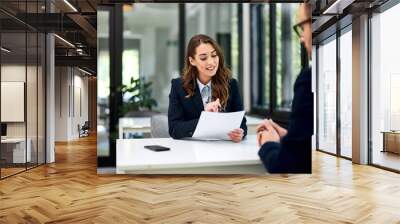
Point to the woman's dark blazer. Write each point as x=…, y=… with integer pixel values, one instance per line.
x=184, y=113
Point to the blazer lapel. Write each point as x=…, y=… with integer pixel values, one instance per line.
x=197, y=101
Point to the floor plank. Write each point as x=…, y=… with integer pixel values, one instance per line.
x=70, y=191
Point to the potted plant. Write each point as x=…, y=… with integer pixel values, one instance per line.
x=140, y=102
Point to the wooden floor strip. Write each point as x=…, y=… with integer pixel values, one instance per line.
x=70, y=191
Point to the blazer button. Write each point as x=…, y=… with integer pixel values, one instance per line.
x=190, y=133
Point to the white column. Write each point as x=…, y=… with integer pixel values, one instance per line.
x=360, y=90
x=50, y=92
x=50, y=99
x=314, y=90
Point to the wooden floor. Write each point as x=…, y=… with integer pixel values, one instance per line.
x=70, y=191
x=387, y=159
x=10, y=171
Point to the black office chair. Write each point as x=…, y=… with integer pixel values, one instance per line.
x=84, y=130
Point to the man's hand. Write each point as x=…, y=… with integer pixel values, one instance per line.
x=236, y=135
x=213, y=106
x=267, y=136
x=281, y=131
x=270, y=123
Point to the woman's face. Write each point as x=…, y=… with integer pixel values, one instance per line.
x=206, y=61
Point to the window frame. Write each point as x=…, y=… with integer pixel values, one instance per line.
x=345, y=22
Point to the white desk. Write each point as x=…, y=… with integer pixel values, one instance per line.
x=133, y=124
x=189, y=157
x=19, y=155
x=142, y=124
x=252, y=123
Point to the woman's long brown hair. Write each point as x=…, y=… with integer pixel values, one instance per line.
x=219, y=82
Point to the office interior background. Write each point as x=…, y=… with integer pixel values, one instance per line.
x=60, y=59
x=48, y=81
x=356, y=83
x=47, y=75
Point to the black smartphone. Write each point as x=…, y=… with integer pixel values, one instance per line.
x=156, y=148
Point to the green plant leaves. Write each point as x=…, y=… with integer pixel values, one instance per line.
x=140, y=92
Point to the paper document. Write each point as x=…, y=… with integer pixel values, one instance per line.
x=216, y=126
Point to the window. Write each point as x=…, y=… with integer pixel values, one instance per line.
x=334, y=78
x=220, y=22
x=276, y=58
x=346, y=92
x=327, y=95
x=150, y=51
x=130, y=62
x=385, y=88
x=267, y=55
x=288, y=54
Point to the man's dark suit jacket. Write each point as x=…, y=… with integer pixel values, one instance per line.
x=293, y=154
x=184, y=113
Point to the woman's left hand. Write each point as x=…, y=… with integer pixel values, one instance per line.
x=236, y=135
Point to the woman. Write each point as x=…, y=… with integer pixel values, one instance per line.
x=206, y=85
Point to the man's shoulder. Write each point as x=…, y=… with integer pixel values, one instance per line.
x=305, y=73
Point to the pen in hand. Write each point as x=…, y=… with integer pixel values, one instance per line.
x=214, y=106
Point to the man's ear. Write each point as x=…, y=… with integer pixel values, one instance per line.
x=191, y=60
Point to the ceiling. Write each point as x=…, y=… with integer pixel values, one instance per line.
x=73, y=20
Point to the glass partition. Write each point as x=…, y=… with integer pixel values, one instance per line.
x=15, y=151
x=22, y=90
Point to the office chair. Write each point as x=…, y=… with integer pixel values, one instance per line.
x=84, y=130
x=159, y=126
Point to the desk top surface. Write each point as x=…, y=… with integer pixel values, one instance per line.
x=391, y=132
x=140, y=122
x=131, y=154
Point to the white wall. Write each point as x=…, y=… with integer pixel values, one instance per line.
x=70, y=84
x=61, y=103
x=12, y=73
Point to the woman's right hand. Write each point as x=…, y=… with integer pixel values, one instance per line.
x=213, y=106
